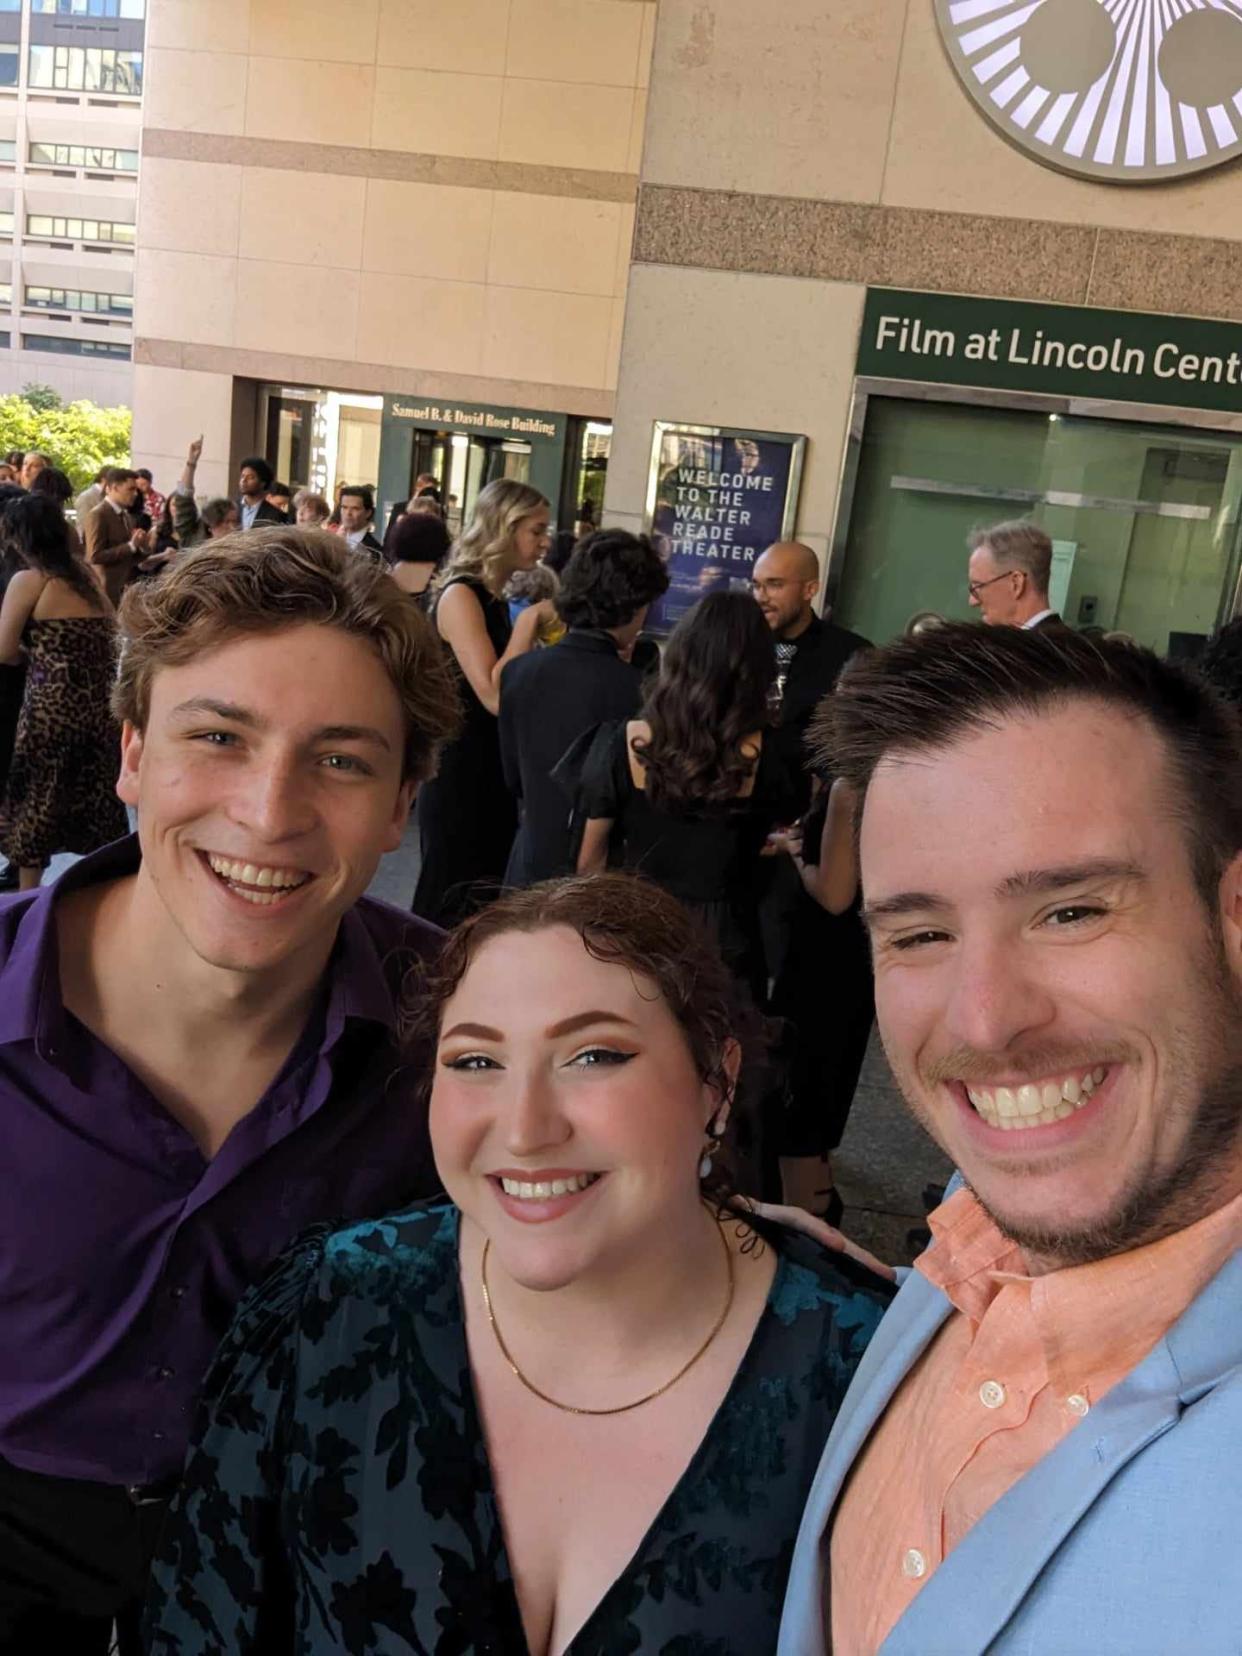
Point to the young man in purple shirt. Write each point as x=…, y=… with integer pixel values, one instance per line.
x=199, y=1049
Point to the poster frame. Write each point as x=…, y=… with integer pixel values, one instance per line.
x=796, y=442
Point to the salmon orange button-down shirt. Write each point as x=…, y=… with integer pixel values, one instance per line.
x=1018, y=1366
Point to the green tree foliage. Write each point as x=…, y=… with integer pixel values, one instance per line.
x=42, y=397
x=79, y=437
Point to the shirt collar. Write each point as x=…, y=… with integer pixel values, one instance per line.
x=593, y=639
x=30, y=1003
x=1094, y=1321
x=1036, y=619
x=26, y=1000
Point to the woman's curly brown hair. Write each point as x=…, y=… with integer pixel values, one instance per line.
x=712, y=694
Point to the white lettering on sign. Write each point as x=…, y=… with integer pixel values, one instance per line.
x=476, y=419
x=1036, y=348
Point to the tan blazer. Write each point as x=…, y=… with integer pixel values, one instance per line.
x=108, y=551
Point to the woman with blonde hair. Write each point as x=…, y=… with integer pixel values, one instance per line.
x=466, y=816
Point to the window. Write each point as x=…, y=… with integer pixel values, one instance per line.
x=75, y=347
x=86, y=69
x=10, y=65
x=6, y=340
x=6, y=223
x=8, y=150
x=93, y=156
x=6, y=293
x=43, y=226
x=82, y=8
x=78, y=299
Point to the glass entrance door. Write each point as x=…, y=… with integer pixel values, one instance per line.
x=1144, y=519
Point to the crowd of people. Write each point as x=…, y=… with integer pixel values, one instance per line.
x=368, y=1288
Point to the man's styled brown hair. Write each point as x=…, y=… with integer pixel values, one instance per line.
x=272, y=578
x=922, y=694
x=1018, y=545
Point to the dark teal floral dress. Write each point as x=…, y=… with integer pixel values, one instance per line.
x=338, y=1495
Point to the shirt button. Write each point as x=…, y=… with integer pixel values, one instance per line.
x=1077, y=1404
x=166, y=1373
x=178, y=1293
x=913, y=1564
x=991, y=1394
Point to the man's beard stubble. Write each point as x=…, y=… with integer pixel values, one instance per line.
x=1157, y=1205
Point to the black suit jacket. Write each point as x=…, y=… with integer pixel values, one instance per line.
x=265, y=514
x=548, y=698
x=1052, y=623
x=822, y=651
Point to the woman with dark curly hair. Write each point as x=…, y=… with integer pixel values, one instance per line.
x=575, y=1409
x=688, y=792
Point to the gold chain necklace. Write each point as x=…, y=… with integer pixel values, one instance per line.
x=624, y=1408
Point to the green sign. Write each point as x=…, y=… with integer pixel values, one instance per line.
x=482, y=419
x=1064, y=350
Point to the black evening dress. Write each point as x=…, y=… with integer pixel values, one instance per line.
x=707, y=857
x=466, y=816
x=338, y=1495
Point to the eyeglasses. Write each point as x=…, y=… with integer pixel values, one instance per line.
x=976, y=587
x=767, y=588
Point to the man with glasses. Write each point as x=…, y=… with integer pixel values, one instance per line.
x=1009, y=575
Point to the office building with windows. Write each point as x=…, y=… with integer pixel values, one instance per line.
x=71, y=78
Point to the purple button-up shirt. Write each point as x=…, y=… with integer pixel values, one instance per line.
x=123, y=1250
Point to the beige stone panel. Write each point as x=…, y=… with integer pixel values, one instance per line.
x=174, y=405
x=431, y=230
x=616, y=333
x=437, y=114
x=189, y=206
x=302, y=218
x=554, y=242
x=316, y=103
x=559, y=338
x=322, y=29
x=195, y=91
x=792, y=99
x=646, y=45
x=185, y=296
x=672, y=368
x=595, y=42
x=406, y=321
x=551, y=124
x=199, y=25
x=285, y=307
x=944, y=154
x=465, y=38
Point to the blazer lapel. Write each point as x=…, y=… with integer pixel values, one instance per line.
x=898, y=1343
x=983, y=1581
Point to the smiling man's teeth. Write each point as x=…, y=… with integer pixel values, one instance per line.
x=543, y=1191
x=1013, y=1109
x=257, y=883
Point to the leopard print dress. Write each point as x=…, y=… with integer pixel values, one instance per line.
x=61, y=791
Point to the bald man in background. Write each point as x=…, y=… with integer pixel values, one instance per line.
x=818, y=963
x=810, y=652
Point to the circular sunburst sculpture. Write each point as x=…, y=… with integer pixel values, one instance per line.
x=1128, y=91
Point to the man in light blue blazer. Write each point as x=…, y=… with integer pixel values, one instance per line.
x=1041, y=1454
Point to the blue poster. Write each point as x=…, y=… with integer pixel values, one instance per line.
x=719, y=502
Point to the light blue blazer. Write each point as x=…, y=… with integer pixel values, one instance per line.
x=1126, y=1540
